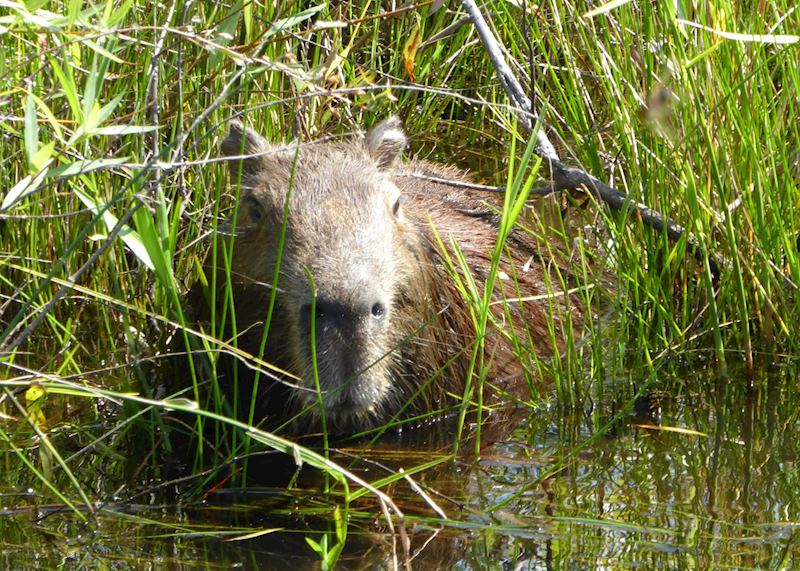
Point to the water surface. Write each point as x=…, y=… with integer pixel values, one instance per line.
x=697, y=471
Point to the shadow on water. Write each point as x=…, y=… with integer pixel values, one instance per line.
x=700, y=473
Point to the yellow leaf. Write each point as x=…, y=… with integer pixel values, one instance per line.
x=34, y=394
x=34, y=399
x=677, y=429
x=410, y=51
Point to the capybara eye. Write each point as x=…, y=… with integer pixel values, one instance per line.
x=254, y=210
x=378, y=310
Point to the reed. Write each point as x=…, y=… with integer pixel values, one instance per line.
x=112, y=116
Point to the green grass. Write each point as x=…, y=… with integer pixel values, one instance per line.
x=112, y=114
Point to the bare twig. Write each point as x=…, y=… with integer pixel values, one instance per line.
x=544, y=148
x=571, y=178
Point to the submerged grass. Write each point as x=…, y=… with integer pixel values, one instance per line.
x=112, y=116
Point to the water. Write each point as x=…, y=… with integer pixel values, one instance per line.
x=701, y=472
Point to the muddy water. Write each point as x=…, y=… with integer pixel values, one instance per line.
x=694, y=471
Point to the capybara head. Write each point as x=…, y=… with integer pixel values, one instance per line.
x=329, y=219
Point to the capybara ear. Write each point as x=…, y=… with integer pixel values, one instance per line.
x=248, y=146
x=386, y=140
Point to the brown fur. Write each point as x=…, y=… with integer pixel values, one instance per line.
x=390, y=321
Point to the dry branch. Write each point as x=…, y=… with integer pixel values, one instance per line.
x=571, y=178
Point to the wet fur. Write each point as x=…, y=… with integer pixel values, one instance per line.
x=346, y=229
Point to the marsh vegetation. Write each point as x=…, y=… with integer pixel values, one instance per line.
x=664, y=430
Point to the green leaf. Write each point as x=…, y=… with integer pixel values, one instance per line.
x=290, y=22
x=108, y=109
x=248, y=19
x=151, y=241
x=113, y=130
x=131, y=239
x=40, y=19
x=82, y=167
x=23, y=188
x=43, y=156
x=92, y=90
x=50, y=117
x=67, y=82
x=35, y=5
x=607, y=7
x=73, y=10
x=317, y=547
x=225, y=32
x=91, y=118
x=102, y=51
x=116, y=12
x=31, y=130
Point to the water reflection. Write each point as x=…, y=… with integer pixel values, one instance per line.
x=702, y=473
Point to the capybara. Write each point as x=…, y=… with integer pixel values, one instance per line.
x=366, y=249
